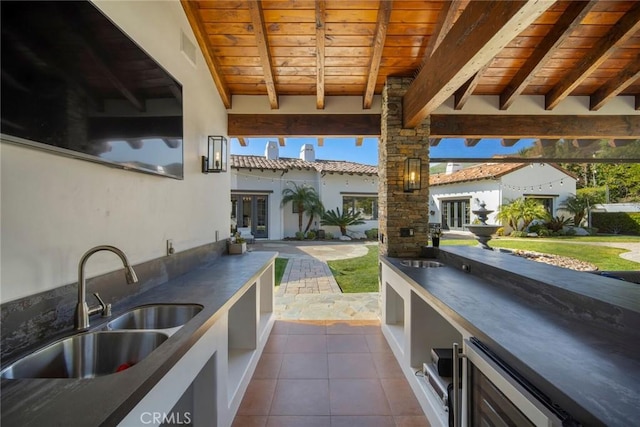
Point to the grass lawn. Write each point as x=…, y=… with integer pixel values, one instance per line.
x=605, y=258
x=281, y=264
x=357, y=274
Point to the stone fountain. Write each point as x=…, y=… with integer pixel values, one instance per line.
x=483, y=231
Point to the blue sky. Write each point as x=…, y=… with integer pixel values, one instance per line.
x=345, y=148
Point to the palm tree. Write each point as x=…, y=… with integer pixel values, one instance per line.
x=577, y=207
x=519, y=213
x=313, y=208
x=341, y=220
x=508, y=213
x=302, y=197
x=532, y=209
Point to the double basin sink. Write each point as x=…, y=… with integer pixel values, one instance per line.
x=125, y=341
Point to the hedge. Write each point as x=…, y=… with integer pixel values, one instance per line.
x=616, y=222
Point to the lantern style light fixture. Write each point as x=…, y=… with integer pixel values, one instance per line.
x=216, y=159
x=412, y=172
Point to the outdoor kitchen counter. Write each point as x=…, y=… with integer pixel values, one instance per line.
x=573, y=335
x=108, y=399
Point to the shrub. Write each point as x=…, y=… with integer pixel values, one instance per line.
x=616, y=222
x=517, y=233
x=570, y=232
x=311, y=235
x=500, y=231
x=328, y=235
x=536, y=228
x=558, y=223
x=544, y=232
x=372, y=234
x=299, y=235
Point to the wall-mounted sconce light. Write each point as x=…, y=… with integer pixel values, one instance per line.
x=216, y=158
x=412, y=169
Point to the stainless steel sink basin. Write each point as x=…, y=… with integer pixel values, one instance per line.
x=87, y=355
x=421, y=263
x=156, y=316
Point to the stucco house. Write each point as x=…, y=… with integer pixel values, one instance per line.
x=457, y=191
x=257, y=183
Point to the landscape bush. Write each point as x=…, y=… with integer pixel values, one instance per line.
x=372, y=234
x=516, y=233
x=616, y=222
x=299, y=235
x=311, y=235
x=328, y=235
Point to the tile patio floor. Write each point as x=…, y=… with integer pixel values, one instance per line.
x=327, y=373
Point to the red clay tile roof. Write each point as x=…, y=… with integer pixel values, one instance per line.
x=285, y=163
x=475, y=173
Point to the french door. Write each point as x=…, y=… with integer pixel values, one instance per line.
x=456, y=213
x=251, y=210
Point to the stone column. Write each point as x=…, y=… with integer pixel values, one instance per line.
x=397, y=209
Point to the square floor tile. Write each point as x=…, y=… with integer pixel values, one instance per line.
x=401, y=399
x=249, y=421
x=306, y=344
x=347, y=344
x=301, y=397
x=377, y=343
x=387, y=365
x=280, y=327
x=412, y=421
x=308, y=327
x=351, y=365
x=304, y=365
x=268, y=366
x=275, y=344
x=362, y=421
x=357, y=397
x=353, y=327
x=299, y=421
x=257, y=398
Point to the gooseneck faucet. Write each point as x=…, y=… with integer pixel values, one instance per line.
x=82, y=309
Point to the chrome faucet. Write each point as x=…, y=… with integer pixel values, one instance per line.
x=82, y=309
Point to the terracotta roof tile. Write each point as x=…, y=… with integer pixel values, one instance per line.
x=284, y=163
x=475, y=173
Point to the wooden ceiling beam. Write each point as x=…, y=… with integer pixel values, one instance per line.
x=281, y=142
x=193, y=16
x=546, y=142
x=581, y=143
x=446, y=17
x=509, y=142
x=264, y=125
x=461, y=96
x=320, y=142
x=242, y=141
x=359, y=141
x=624, y=29
x=484, y=29
x=384, y=13
x=320, y=53
x=433, y=142
x=614, y=143
x=570, y=19
x=534, y=126
x=613, y=87
x=259, y=30
x=471, y=142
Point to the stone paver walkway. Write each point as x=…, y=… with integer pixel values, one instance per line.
x=307, y=275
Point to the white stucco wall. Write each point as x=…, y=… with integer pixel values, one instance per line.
x=55, y=208
x=477, y=191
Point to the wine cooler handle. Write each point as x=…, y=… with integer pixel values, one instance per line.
x=456, y=385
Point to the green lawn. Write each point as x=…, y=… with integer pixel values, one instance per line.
x=605, y=258
x=281, y=264
x=357, y=274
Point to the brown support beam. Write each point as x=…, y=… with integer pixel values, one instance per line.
x=614, y=143
x=484, y=29
x=264, y=125
x=320, y=51
x=359, y=141
x=546, y=142
x=509, y=142
x=445, y=21
x=570, y=19
x=384, y=12
x=540, y=126
x=191, y=11
x=624, y=29
x=461, y=96
x=637, y=102
x=433, y=142
x=259, y=30
x=471, y=142
x=281, y=142
x=615, y=86
x=242, y=141
x=581, y=143
x=320, y=142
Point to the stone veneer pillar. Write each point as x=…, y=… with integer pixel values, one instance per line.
x=396, y=208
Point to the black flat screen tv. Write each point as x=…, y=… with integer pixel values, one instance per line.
x=74, y=84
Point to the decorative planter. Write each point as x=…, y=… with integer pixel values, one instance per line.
x=237, y=248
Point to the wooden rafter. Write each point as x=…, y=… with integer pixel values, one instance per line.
x=570, y=19
x=433, y=142
x=580, y=143
x=534, y=126
x=264, y=125
x=320, y=142
x=546, y=142
x=242, y=141
x=320, y=52
x=281, y=142
x=619, y=142
x=191, y=11
x=613, y=87
x=445, y=21
x=484, y=28
x=471, y=142
x=461, y=96
x=259, y=30
x=384, y=13
x=359, y=141
x=509, y=142
x=637, y=102
x=625, y=28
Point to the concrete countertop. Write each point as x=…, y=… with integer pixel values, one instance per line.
x=573, y=335
x=106, y=400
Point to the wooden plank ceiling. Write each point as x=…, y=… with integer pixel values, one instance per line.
x=457, y=48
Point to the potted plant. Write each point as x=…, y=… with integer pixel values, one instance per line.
x=237, y=245
x=435, y=237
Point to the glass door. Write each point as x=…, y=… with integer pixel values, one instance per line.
x=261, y=218
x=250, y=211
x=456, y=213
